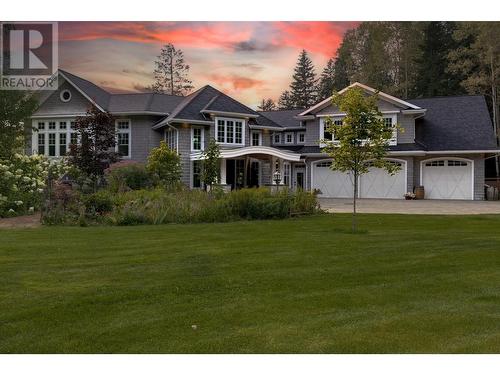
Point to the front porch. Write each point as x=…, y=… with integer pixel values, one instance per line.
x=257, y=166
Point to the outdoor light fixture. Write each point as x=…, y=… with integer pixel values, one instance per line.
x=277, y=177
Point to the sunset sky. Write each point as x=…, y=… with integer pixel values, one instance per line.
x=247, y=60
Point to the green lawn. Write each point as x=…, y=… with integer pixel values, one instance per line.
x=409, y=284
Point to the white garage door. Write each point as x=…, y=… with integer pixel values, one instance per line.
x=377, y=183
x=447, y=179
x=332, y=184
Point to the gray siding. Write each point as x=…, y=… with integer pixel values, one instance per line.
x=184, y=149
x=406, y=133
x=312, y=132
x=143, y=137
x=55, y=106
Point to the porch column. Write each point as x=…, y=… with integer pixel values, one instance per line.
x=223, y=172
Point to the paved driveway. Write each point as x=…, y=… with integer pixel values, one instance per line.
x=401, y=206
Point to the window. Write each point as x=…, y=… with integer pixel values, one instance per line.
x=323, y=131
x=52, y=144
x=197, y=174
x=277, y=138
x=230, y=131
x=123, y=138
x=324, y=164
x=256, y=138
x=197, y=139
x=72, y=124
x=52, y=125
x=41, y=144
x=301, y=137
x=171, y=138
x=457, y=163
x=390, y=122
x=73, y=138
x=435, y=163
x=62, y=144
x=62, y=125
x=65, y=96
x=288, y=137
x=286, y=174
x=41, y=126
x=123, y=144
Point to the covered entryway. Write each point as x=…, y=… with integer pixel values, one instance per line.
x=447, y=178
x=377, y=183
x=331, y=184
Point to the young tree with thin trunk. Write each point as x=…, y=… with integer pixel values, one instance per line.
x=211, y=163
x=171, y=72
x=267, y=105
x=361, y=141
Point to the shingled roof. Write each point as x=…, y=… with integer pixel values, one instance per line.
x=284, y=118
x=455, y=123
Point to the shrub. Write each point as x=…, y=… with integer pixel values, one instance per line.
x=98, y=203
x=133, y=176
x=23, y=180
x=165, y=165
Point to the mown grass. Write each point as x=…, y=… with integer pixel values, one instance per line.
x=408, y=284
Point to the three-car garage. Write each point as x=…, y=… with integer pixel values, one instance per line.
x=442, y=178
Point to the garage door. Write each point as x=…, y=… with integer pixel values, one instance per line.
x=331, y=184
x=377, y=183
x=447, y=179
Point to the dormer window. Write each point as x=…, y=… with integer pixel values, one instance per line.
x=230, y=131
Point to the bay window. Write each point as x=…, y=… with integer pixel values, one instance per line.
x=230, y=131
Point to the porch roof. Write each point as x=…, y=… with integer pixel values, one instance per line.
x=253, y=150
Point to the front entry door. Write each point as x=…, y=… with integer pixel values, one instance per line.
x=299, y=179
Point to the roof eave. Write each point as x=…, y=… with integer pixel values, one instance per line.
x=223, y=113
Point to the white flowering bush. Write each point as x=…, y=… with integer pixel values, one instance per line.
x=22, y=182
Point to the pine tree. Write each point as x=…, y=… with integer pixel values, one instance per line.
x=285, y=101
x=267, y=105
x=327, y=80
x=303, y=89
x=434, y=78
x=171, y=72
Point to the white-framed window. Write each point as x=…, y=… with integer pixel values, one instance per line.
x=256, y=138
x=288, y=138
x=230, y=131
x=323, y=131
x=196, y=174
x=286, y=173
x=197, y=138
x=123, y=138
x=301, y=137
x=277, y=138
x=53, y=137
x=171, y=138
x=390, y=121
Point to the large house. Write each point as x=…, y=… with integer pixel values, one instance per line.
x=441, y=143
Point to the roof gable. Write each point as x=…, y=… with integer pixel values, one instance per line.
x=383, y=96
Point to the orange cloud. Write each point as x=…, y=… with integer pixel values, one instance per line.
x=193, y=34
x=234, y=81
x=317, y=37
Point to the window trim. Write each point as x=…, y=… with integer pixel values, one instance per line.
x=274, y=138
x=259, y=133
x=322, y=128
x=202, y=141
x=286, y=138
x=122, y=131
x=234, y=120
x=175, y=132
x=298, y=137
x=61, y=94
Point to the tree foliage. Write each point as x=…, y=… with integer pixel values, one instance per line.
x=211, y=163
x=327, y=80
x=95, y=150
x=267, y=105
x=285, y=101
x=171, y=72
x=363, y=137
x=165, y=164
x=303, y=88
x=16, y=107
